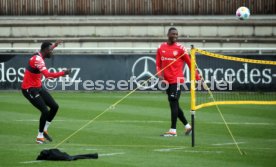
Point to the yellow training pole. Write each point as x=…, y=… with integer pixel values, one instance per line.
x=193, y=99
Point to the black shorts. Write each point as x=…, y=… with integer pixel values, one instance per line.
x=40, y=98
x=174, y=91
x=31, y=93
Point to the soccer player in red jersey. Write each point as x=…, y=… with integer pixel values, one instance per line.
x=173, y=52
x=39, y=97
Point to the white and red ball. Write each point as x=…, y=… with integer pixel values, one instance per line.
x=243, y=13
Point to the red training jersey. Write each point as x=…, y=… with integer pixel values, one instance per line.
x=165, y=55
x=32, y=78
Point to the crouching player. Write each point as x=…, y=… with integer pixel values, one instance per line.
x=38, y=96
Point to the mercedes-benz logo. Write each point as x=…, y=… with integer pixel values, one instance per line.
x=145, y=73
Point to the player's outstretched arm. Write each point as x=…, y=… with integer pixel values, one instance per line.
x=67, y=71
x=58, y=42
x=48, y=74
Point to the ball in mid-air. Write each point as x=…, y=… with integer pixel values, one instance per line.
x=243, y=13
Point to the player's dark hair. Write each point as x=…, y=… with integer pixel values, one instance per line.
x=45, y=45
x=170, y=29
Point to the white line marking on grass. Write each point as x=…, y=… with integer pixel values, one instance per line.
x=36, y=120
x=134, y=121
x=168, y=149
x=131, y=146
x=223, y=144
x=110, y=154
x=188, y=151
x=244, y=123
x=93, y=149
x=149, y=121
x=155, y=121
x=30, y=162
x=111, y=121
x=195, y=151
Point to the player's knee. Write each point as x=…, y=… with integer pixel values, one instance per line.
x=44, y=114
x=55, y=107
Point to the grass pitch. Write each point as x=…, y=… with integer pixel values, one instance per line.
x=128, y=136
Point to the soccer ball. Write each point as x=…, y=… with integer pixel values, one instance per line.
x=243, y=13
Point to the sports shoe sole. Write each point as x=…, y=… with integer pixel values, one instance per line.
x=169, y=135
x=38, y=141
